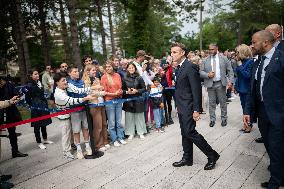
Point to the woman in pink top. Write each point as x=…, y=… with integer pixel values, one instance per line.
x=112, y=84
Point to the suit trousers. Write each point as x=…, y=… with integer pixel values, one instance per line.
x=273, y=136
x=217, y=92
x=99, y=126
x=190, y=136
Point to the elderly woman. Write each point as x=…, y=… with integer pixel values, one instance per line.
x=243, y=71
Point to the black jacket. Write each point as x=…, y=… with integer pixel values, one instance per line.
x=188, y=89
x=35, y=98
x=272, y=90
x=12, y=113
x=136, y=82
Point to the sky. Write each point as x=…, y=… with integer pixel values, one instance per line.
x=194, y=26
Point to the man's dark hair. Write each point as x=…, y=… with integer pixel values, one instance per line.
x=70, y=68
x=58, y=76
x=157, y=78
x=180, y=45
x=85, y=57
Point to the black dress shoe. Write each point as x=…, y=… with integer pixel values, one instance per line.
x=170, y=121
x=224, y=123
x=182, y=162
x=265, y=185
x=259, y=140
x=6, y=185
x=212, y=162
x=212, y=123
x=5, y=177
x=18, y=154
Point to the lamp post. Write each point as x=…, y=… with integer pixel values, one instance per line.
x=200, y=26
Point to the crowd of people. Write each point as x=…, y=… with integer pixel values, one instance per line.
x=177, y=78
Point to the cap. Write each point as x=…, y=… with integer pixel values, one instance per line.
x=140, y=53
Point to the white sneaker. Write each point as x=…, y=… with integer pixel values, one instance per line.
x=89, y=151
x=130, y=137
x=107, y=146
x=116, y=144
x=79, y=154
x=68, y=155
x=103, y=149
x=142, y=137
x=41, y=146
x=47, y=142
x=123, y=141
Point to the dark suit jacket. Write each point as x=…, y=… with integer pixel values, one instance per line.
x=272, y=90
x=188, y=89
x=281, y=46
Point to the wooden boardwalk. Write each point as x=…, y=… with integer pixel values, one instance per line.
x=144, y=164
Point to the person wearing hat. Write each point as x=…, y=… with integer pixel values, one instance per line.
x=140, y=57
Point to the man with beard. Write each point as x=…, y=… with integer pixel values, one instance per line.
x=265, y=102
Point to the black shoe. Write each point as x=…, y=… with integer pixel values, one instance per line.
x=182, y=162
x=5, y=177
x=265, y=185
x=170, y=121
x=212, y=123
x=224, y=123
x=18, y=154
x=228, y=100
x=212, y=162
x=259, y=140
x=98, y=153
x=74, y=147
x=6, y=185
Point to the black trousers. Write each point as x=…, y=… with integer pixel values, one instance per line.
x=190, y=136
x=13, y=139
x=167, y=100
x=273, y=137
x=37, y=133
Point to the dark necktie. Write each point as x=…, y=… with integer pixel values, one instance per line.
x=177, y=71
x=259, y=72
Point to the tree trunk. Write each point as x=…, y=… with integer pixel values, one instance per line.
x=44, y=33
x=101, y=28
x=20, y=39
x=110, y=27
x=71, y=4
x=90, y=32
x=64, y=33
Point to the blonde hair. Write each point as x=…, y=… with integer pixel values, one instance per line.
x=195, y=60
x=86, y=77
x=243, y=51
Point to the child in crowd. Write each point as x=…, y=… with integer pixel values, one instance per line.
x=158, y=105
x=63, y=101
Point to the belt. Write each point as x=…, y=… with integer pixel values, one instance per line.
x=216, y=81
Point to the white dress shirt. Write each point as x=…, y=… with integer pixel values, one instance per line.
x=217, y=76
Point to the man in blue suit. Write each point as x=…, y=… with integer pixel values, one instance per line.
x=265, y=102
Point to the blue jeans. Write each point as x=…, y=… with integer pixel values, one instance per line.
x=114, y=114
x=158, y=117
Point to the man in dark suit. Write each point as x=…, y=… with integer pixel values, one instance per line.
x=276, y=30
x=188, y=97
x=265, y=102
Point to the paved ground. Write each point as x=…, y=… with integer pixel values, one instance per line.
x=144, y=164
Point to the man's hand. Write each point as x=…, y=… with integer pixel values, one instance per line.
x=14, y=100
x=246, y=120
x=89, y=97
x=196, y=116
x=230, y=85
x=211, y=74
